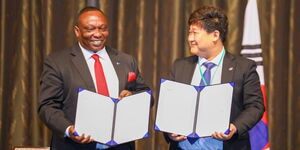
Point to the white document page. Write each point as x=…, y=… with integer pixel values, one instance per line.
x=94, y=116
x=176, y=108
x=214, y=109
x=132, y=117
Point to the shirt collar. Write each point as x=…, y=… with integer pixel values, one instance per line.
x=216, y=60
x=88, y=53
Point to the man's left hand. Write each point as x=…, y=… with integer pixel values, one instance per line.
x=124, y=93
x=222, y=136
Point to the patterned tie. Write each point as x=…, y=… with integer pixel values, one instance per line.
x=100, y=77
x=207, y=73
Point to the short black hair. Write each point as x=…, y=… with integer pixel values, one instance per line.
x=86, y=9
x=211, y=19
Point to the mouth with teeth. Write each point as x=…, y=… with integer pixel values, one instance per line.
x=193, y=43
x=96, y=42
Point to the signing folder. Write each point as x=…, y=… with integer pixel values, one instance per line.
x=111, y=121
x=193, y=111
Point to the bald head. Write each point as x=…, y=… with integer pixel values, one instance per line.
x=91, y=29
x=87, y=9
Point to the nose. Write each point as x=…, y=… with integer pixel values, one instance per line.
x=191, y=37
x=98, y=34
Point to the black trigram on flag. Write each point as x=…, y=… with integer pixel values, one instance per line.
x=251, y=48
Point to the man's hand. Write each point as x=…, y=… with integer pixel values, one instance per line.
x=124, y=93
x=222, y=136
x=176, y=137
x=80, y=138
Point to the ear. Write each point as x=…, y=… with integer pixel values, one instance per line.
x=216, y=35
x=76, y=31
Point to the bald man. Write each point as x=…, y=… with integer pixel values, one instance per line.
x=67, y=70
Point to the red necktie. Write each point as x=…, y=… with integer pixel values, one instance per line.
x=100, y=77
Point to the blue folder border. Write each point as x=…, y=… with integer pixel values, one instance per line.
x=111, y=143
x=156, y=128
x=193, y=135
x=227, y=132
x=80, y=90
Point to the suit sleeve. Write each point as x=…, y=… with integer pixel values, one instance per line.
x=51, y=98
x=253, y=106
x=139, y=84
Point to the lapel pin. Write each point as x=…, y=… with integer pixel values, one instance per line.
x=230, y=69
x=118, y=63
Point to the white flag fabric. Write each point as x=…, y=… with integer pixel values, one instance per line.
x=251, y=48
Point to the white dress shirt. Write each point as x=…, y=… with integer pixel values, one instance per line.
x=111, y=77
x=216, y=72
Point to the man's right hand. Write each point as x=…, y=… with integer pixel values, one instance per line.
x=176, y=137
x=80, y=138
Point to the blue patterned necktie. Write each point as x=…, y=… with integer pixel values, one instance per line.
x=207, y=73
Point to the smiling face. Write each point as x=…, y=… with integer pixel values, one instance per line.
x=200, y=41
x=92, y=30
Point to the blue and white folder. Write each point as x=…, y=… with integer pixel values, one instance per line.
x=111, y=121
x=193, y=111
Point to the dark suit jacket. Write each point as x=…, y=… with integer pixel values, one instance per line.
x=66, y=71
x=247, y=103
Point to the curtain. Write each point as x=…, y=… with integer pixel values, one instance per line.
x=155, y=33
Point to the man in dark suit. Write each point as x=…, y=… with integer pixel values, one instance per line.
x=67, y=70
x=207, y=32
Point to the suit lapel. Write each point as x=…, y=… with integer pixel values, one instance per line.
x=118, y=66
x=189, y=69
x=81, y=66
x=228, y=68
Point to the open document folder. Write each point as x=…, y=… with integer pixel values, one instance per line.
x=111, y=121
x=193, y=111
